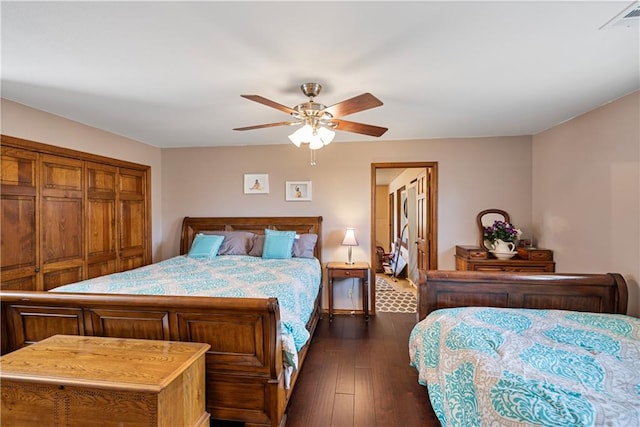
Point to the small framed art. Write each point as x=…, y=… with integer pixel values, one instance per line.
x=256, y=183
x=298, y=191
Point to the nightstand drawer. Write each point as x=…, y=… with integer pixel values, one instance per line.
x=338, y=274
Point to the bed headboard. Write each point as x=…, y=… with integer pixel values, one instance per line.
x=600, y=293
x=300, y=224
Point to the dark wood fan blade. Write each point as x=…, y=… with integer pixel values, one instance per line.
x=353, y=105
x=267, y=125
x=269, y=103
x=358, y=127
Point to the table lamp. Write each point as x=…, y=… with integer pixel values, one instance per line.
x=350, y=240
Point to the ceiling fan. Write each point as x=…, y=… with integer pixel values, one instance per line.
x=318, y=121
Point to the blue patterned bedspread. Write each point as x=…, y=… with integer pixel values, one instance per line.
x=295, y=282
x=512, y=367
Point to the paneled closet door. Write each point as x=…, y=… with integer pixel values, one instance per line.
x=61, y=213
x=132, y=218
x=422, y=229
x=101, y=219
x=19, y=259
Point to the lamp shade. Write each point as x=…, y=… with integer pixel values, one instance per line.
x=350, y=237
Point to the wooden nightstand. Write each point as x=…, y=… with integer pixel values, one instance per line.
x=342, y=270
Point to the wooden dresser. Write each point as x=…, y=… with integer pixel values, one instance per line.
x=76, y=381
x=474, y=258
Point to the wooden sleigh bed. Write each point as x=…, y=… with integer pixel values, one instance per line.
x=527, y=348
x=245, y=381
x=598, y=293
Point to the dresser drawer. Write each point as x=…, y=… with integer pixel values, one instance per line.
x=515, y=264
x=486, y=268
x=342, y=273
x=538, y=269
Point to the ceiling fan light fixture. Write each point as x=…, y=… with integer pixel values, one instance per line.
x=321, y=137
x=315, y=143
x=326, y=135
x=301, y=135
x=295, y=138
x=316, y=137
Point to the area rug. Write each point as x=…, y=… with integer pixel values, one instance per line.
x=390, y=299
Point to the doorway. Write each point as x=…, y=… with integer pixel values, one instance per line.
x=421, y=240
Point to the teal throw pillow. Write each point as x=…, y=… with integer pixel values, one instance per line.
x=205, y=246
x=278, y=244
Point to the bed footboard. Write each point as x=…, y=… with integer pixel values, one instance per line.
x=244, y=373
x=600, y=293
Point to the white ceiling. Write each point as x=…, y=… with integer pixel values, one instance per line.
x=170, y=74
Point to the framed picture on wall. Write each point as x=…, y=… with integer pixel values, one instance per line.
x=298, y=191
x=256, y=183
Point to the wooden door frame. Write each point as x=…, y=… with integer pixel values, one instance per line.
x=432, y=215
x=390, y=225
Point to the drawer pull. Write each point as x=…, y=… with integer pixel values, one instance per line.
x=347, y=273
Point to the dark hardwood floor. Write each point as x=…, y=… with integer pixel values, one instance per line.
x=359, y=375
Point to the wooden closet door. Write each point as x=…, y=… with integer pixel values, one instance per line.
x=422, y=238
x=132, y=218
x=61, y=213
x=19, y=258
x=101, y=219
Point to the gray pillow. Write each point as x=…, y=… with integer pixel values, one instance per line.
x=235, y=242
x=304, y=244
x=258, y=243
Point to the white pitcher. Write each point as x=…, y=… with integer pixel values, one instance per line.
x=503, y=247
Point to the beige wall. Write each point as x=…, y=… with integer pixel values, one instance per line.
x=586, y=192
x=27, y=123
x=474, y=174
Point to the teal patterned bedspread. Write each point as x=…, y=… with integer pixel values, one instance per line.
x=519, y=367
x=295, y=282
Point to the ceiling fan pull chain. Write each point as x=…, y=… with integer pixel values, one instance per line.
x=313, y=157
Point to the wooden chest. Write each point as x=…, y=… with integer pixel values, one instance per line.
x=79, y=381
